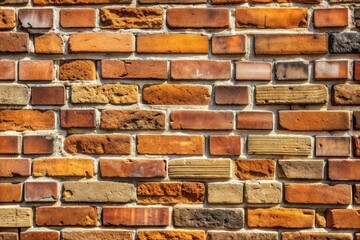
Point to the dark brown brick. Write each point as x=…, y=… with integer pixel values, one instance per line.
x=82, y=118
x=48, y=95
x=232, y=95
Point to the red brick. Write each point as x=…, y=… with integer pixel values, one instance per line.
x=12, y=167
x=40, y=235
x=357, y=70
x=332, y=146
x=77, y=18
x=81, y=118
x=356, y=140
x=254, y=120
x=36, y=18
x=10, y=192
x=9, y=236
x=20, y=120
x=318, y=194
x=7, y=19
x=315, y=236
x=343, y=218
x=41, y=191
x=235, y=44
x=38, y=145
x=36, y=70
x=7, y=70
x=134, y=69
x=254, y=71
x=225, y=145
x=135, y=216
x=48, y=44
x=77, y=70
x=197, y=18
x=254, y=169
x=48, y=95
x=232, y=95
x=10, y=144
x=331, y=17
x=66, y=216
x=331, y=70
x=201, y=120
x=14, y=42
x=344, y=169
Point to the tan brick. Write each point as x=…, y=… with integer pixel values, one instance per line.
x=343, y=218
x=14, y=42
x=15, y=167
x=254, y=168
x=170, y=234
x=36, y=70
x=253, y=71
x=77, y=18
x=48, y=44
x=331, y=17
x=77, y=70
x=9, y=236
x=346, y=169
x=332, y=146
x=11, y=94
x=315, y=236
x=254, y=120
x=7, y=70
x=36, y=18
x=97, y=235
x=235, y=44
x=16, y=217
x=7, y=19
x=242, y=235
x=263, y=192
x=21, y=120
x=232, y=95
x=10, y=192
x=225, y=193
x=77, y=2
x=331, y=70
x=63, y=167
x=301, y=169
x=346, y=94
x=225, y=145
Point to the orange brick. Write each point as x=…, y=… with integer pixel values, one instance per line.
x=254, y=120
x=254, y=71
x=170, y=234
x=48, y=95
x=315, y=235
x=77, y=70
x=36, y=70
x=222, y=2
x=232, y=95
x=37, y=235
x=48, y=44
x=346, y=169
x=81, y=118
x=235, y=44
x=14, y=167
x=10, y=192
x=7, y=70
x=7, y=19
x=225, y=145
x=331, y=70
x=77, y=2
x=63, y=167
x=38, y=145
x=343, y=218
x=254, y=169
x=77, y=18
x=20, y=120
x=10, y=144
x=14, y=42
x=331, y=17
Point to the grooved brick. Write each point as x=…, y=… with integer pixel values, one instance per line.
x=254, y=120
x=36, y=70
x=63, y=167
x=38, y=144
x=77, y=70
x=48, y=44
x=37, y=235
x=254, y=168
x=232, y=95
x=235, y=44
x=41, y=191
x=10, y=192
x=332, y=146
x=81, y=118
x=225, y=145
x=346, y=169
x=10, y=144
x=77, y=18
x=331, y=17
x=15, y=167
x=55, y=95
x=14, y=42
x=7, y=70
x=20, y=120
x=170, y=234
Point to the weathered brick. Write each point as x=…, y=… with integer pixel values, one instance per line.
x=7, y=70
x=97, y=235
x=170, y=193
x=315, y=236
x=172, y=43
x=14, y=167
x=225, y=145
x=132, y=120
x=332, y=146
x=339, y=194
x=81, y=118
x=176, y=94
x=346, y=94
x=170, y=144
x=36, y=70
x=294, y=94
x=331, y=17
x=221, y=2
x=242, y=235
x=37, y=144
x=254, y=169
x=301, y=169
x=292, y=71
x=103, y=94
x=343, y=218
x=66, y=216
x=102, y=43
x=271, y=17
x=37, y=235
x=36, y=18
x=14, y=42
x=136, y=216
x=200, y=168
x=287, y=44
x=253, y=71
x=55, y=95
x=225, y=193
x=343, y=43
x=356, y=140
x=128, y=168
x=235, y=44
x=197, y=18
x=48, y=44
x=77, y=2
x=357, y=194
x=170, y=234
x=313, y=120
x=130, y=17
x=77, y=70
x=9, y=236
x=232, y=95
x=331, y=70
x=10, y=144
x=63, y=167
x=280, y=218
x=221, y=218
x=77, y=18
x=11, y=94
x=258, y=192
x=15, y=2
x=254, y=120
x=356, y=70
x=20, y=120
x=10, y=192
x=344, y=169
x=172, y=1
x=7, y=19
x=98, y=144
x=16, y=217
x=41, y=191
x=134, y=69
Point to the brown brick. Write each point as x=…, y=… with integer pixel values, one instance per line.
x=10, y=192
x=14, y=42
x=77, y=70
x=242, y=235
x=77, y=18
x=225, y=145
x=136, y=216
x=36, y=70
x=36, y=18
x=232, y=95
x=280, y=218
x=197, y=18
x=300, y=169
x=14, y=167
x=81, y=118
x=171, y=193
x=132, y=120
x=48, y=44
x=55, y=95
x=66, y=216
x=7, y=70
x=331, y=70
x=172, y=43
x=170, y=144
x=170, y=234
x=313, y=120
x=38, y=144
x=356, y=140
x=357, y=194
x=344, y=169
x=225, y=193
x=15, y=2
x=41, y=191
x=63, y=167
x=343, y=218
x=134, y=69
x=7, y=19
x=200, y=70
x=287, y=44
x=201, y=120
x=346, y=94
x=315, y=236
x=263, y=192
x=130, y=17
x=332, y=146
x=253, y=71
x=357, y=70
x=292, y=71
x=10, y=144
x=132, y=168
x=37, y=235
x=98, y=144
x=235, y=44
x=254, y=169
x=254, y=120
x=9, y=236
x=77, y=2
x=97, y=234
x=339, y=194
x=331, y=17
x=102, y=43
x=271, y=17
x=176, y=94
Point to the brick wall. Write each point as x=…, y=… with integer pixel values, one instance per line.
x=179, y=119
